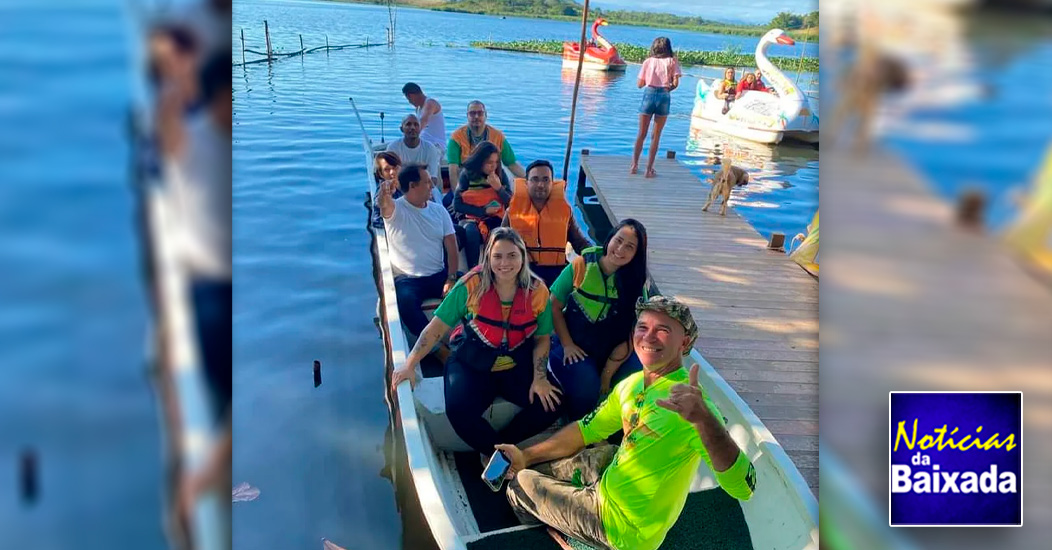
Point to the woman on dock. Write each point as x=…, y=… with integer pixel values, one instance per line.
x=660, y=75
x=593, y=303
x=482, y=195
x=500, y=346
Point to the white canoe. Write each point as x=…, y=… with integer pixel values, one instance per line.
x=185, y=410
x=782, y=515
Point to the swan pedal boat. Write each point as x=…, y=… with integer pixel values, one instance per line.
x=461, y=513
x=602, y=56
x=760, y=116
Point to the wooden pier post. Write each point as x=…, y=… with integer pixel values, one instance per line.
x=582, y=178
x=242, y=46
x=266, y=32
x=777, y=242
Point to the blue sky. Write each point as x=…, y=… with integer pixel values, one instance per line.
x=747, y=11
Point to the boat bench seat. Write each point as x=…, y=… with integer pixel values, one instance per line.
x=431, y=408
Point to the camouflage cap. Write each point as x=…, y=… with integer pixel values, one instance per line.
x=673, y=308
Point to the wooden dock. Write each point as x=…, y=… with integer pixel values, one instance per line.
x=913, y=302
x=756, y=310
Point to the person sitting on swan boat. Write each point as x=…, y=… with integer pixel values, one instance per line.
x=727, y=90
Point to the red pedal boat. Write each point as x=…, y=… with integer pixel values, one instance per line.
x=600, y=55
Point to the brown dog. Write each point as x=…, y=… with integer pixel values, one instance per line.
x=726, y=179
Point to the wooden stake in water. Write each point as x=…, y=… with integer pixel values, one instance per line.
x=326, y=43
x=582, y=47
x=28, y=476
x=266, y=32
x=242, y=46
x=301, y=42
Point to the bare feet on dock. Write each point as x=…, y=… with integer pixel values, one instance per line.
x=633, y=169
x=650, y=173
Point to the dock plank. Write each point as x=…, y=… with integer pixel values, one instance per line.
x=757, y=311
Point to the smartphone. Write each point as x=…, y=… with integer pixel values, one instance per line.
x=493, y=474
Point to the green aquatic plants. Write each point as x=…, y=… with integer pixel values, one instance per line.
x=728, y=57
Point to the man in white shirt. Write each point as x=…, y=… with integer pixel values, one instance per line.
x=413, y=150
x=429, y=111
x=419, y=231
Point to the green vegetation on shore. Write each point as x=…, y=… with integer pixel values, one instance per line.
x=800, y=27
x=636, y=54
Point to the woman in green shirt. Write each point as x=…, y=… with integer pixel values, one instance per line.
x=593, y=303
x=499, y=348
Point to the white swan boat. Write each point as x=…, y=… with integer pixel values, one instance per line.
x=760, y=116
x=461, y=513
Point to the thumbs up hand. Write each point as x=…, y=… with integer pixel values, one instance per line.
x=687, y=400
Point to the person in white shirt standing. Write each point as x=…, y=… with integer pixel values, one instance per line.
x=419, y=231
x=413, y=150
x=429, y=112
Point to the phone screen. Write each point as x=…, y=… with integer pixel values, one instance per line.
x=493, y=475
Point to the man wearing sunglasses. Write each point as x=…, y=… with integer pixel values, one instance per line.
x=629, y=496
x=464, y=140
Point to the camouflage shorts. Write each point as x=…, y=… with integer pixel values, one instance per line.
x=563, y=494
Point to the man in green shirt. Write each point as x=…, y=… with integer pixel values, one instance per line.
x=463, y=141
x=632, y=494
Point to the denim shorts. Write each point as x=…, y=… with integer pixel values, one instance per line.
x=655, y=101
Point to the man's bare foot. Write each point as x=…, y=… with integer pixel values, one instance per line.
x=650, y=173
x=633, y=169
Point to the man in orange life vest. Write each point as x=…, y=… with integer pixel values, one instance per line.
x=540, y=213
x=464, y=140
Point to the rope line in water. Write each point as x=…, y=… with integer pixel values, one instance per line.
x=275, y=56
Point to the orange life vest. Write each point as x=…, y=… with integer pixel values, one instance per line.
x=488, y=334
x=479, y=193
x=460, y=136
x=544, y=231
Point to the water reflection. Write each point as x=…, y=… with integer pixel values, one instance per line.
x=593, y=80
x=763, y=162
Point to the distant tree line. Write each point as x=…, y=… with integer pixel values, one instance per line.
x=568, y=9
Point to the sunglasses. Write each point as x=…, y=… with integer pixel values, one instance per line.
x=476, y=113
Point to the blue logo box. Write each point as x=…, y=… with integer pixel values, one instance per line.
x=956, y=459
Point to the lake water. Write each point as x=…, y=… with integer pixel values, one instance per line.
x=304, y=289
x=84, y=403
x=73, y=318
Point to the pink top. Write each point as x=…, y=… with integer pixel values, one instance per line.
x=658, y=71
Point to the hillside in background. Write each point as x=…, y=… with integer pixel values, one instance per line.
x=799, y=26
